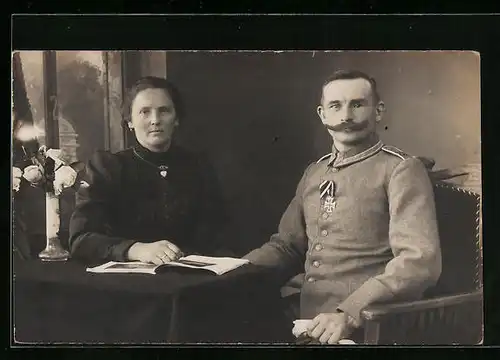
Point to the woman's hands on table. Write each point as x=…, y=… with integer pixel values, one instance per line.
x=158, y=252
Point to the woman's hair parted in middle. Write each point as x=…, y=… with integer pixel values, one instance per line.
x=152, y=82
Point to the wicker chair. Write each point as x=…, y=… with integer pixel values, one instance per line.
x=451, y=312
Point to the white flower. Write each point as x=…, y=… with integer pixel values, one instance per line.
x=33, y=174
x=16, y=178
x=56, y=155
x=65, y=177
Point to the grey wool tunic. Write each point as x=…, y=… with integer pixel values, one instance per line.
x=375, y=240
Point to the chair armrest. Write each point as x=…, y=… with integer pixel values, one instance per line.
x=376, y=312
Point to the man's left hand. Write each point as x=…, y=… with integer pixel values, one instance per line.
x=329, y=328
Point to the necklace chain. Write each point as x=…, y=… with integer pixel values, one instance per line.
x=159, y=167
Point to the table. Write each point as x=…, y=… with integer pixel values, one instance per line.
x=59, y=302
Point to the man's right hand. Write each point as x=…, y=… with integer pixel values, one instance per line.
x=159, y=252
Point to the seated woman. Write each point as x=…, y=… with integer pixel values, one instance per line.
x=153, y=202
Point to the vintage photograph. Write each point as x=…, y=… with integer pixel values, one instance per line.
x=342, y=189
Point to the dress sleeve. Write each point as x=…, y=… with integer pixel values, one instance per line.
x=90, y=228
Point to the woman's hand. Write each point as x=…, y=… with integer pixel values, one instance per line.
x=159, y=252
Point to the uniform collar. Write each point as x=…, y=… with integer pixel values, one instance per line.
x=355, y=154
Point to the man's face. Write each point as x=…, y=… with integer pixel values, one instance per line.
x=153, y=119
x=349, y=111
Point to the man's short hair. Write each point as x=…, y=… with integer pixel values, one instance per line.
x=350, y=75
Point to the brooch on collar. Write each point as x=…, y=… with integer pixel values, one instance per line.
x=163, y=170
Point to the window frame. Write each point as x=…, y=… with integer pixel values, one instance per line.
x=113, y=90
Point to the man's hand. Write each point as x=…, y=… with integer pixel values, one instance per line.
x=159, y=252
x=329, y=328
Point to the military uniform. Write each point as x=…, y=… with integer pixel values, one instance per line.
x=137, y=195
x=362, y=226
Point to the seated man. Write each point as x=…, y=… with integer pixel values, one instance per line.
x=362, y=225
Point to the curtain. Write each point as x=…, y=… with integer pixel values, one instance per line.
x=21, y=114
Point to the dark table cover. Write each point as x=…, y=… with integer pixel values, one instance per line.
x=59, y=302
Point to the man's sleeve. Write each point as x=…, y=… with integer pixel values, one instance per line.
x=288, y=247
x=414, y=239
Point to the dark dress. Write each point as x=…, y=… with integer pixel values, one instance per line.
x=123, y=199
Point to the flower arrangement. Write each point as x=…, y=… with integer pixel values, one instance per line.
x=51, y=172
x=48, y=172
x=49, y=169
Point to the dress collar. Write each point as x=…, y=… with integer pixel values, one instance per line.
x=156, y=158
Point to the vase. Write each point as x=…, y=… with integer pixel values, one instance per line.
x=53, y=250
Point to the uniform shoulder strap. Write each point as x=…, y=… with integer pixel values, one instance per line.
x=323, y=158
x=396, y=152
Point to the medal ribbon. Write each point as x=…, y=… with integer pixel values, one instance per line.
x=327, y=188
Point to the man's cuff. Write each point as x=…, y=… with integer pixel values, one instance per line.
x=258, y=257
x=352, y=323
x=371, y=291
x=250, y=257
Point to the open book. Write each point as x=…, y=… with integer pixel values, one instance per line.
x=216, y=265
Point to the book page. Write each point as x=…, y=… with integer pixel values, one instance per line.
x=217, y=265
x=124, y=267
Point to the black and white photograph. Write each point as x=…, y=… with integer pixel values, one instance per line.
x=337, y=194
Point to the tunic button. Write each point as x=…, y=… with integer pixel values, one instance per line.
x=310, y=279
x=316, y=263
x=318, y=247
x=324, y=232
x=325, y=215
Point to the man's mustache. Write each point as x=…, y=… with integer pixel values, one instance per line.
x=348, y=125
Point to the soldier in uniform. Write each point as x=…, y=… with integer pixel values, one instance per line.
x=362, y=226
x=154, y=201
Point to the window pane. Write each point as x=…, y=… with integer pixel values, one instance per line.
x=80, y=96
x=30, y=203
x=32, y=65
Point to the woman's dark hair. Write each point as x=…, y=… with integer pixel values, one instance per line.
x=152, y=82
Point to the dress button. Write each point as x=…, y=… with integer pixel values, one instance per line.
x=325, y=215
x=318, y=247
x=316, y=263
x=324, y=232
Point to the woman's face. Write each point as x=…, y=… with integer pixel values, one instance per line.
x=153, y=119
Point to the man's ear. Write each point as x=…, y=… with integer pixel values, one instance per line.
x=320, y=112
x=379, y=111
